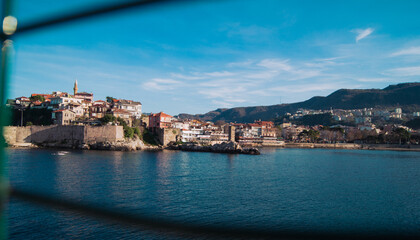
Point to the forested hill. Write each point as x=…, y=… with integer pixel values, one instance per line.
x=404, y=95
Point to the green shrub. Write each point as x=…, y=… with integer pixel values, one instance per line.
x=137, y=131
x=128, y=132
x=107, y=118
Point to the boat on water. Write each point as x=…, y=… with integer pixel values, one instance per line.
x=60, y=153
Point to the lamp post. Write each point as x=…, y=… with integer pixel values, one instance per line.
x=21, y=109
x=21, y=116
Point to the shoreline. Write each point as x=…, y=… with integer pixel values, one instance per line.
x=354, y=146
x=345, y=146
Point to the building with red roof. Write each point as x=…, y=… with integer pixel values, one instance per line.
x=160, y=120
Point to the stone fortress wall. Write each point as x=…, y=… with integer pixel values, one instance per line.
x=62, y=134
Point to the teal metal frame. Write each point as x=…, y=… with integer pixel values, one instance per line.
x=118, y=215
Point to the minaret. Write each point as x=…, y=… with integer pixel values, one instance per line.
x=75, y=87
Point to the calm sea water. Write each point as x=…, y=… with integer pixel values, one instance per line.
x=281, y=188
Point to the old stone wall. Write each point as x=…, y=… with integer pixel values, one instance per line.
x=167, y=135
x=62, y=134
x=57, y=134
x=107, y=133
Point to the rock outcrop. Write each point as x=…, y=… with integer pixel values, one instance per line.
x=226, y=147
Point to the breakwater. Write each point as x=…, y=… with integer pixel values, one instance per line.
x=225, y=147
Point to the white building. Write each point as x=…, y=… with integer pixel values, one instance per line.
x=131, y=106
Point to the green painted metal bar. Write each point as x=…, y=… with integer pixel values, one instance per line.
x=4, y=118
x=91, y=12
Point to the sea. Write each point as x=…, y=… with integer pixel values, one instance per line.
x=287, y=189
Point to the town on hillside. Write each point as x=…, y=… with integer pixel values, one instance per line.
x=303, y=126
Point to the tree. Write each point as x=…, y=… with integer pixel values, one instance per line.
x=313, y=135
x=278, y=131
x=121, y=121
x=107, y=118
x=109, y=99
x=353, y=134
x=37, y=98
x=325, y=119
x=35, y=116
x=402, y=133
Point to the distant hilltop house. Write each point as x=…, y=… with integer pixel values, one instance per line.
x=78, y=107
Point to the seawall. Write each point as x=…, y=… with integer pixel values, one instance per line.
x=62, y=136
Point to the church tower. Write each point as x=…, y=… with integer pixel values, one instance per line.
x=75, y=87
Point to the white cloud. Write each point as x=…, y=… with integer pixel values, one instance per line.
x=161, y=84
x=404, y=71
x=372, y=80
x=221, y=104
x=261, y=75
x=408, y=51
x=362, y=33
x=329, y=59
x=275, y=64
x=308, y=87
x=185, y=77
x=219, y=74
x=240, y=64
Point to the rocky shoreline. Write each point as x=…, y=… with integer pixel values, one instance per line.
x=354, y=146
x=126, y=145
x=226, y=147
x=229, y=147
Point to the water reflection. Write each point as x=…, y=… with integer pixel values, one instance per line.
x=280, y=186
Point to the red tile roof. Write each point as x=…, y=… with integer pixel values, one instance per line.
x=161, y=114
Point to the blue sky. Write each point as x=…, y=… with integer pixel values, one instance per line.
x=196, y=57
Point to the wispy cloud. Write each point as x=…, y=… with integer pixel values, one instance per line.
x=404, y=71
x=316, y=87
x=240, y=64
x=373, y=80
x=219, y=74
x=276, y=64
x=161, y=84
x=185, y=77
x=408, y=51
x=362, y=33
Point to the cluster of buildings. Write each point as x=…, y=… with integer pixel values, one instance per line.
x=79, y=107
x=358, y=116
x=355, y=124
x=192, y=130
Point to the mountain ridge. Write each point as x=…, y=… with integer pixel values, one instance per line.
x=404, y=95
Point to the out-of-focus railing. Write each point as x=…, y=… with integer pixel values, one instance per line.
x=120, y=216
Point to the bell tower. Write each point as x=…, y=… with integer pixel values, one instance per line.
x=75, y=87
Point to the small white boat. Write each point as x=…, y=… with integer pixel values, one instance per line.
x=60, y=153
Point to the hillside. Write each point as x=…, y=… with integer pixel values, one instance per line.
x=404, y=95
